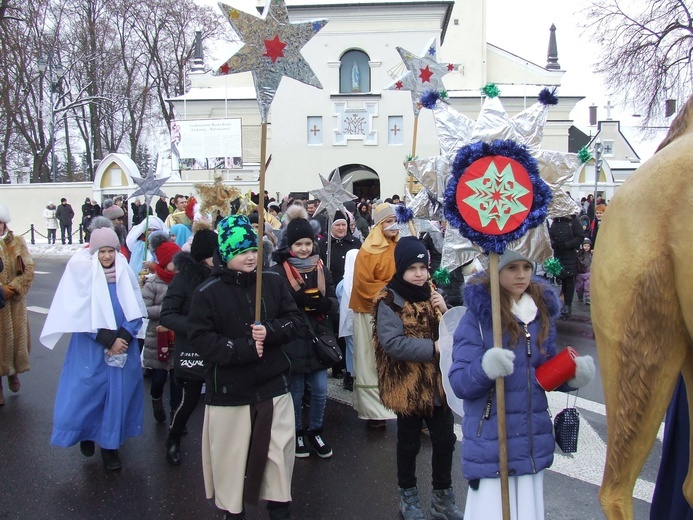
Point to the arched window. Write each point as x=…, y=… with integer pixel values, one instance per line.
x=354, y=73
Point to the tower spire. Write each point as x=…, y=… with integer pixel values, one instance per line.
x=552, y=55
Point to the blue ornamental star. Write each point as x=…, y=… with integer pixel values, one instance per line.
x=149, y=186
x=272, y=49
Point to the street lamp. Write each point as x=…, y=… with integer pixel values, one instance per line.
x=55, y=73
x=598, y=147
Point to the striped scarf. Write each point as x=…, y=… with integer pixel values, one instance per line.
x=295, y=267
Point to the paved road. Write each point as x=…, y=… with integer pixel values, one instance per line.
x=40, y=481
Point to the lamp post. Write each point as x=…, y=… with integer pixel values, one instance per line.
x=597, y=167
x=55, y=71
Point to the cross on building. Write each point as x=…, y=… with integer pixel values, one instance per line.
x=395, y=130
x=608, y=107
x=315, y=130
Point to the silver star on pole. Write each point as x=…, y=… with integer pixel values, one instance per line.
x=332, y=195
x=149, y=186
x=423, y=73
x=272, y=49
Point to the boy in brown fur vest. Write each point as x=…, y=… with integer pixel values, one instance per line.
x=406, y=316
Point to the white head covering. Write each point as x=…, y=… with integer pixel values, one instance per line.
x=82, y=303
x=134, y=234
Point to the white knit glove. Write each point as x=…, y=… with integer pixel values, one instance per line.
x=584, y=372
x=498, y=362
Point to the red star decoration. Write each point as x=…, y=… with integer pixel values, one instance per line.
x=399, y=85
x=224, y=69
x=275, y=48
x=426, y=75
x=451, y=67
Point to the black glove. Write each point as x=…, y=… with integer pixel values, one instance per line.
x=323, y=304
x=302, y=299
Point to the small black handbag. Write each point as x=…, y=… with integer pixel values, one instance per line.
x=325, y=345
x=566, y=426
x=327, y=349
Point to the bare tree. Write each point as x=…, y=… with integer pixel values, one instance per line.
x=646, y=51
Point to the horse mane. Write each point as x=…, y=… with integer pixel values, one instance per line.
x=679, y=125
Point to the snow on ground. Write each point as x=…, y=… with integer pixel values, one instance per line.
x=56, y=251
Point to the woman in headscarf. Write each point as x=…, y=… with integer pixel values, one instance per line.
x=15, y=281
x=374, y=267
x=99, y=397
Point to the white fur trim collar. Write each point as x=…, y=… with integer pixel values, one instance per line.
x=524, y=309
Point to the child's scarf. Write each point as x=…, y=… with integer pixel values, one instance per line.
x=295, y=267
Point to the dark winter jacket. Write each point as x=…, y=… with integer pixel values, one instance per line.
x=584, y=261
x=530, y=435
x=64, y=214
x=219, y=326
x=301, y=352
x=338, y=250
x=174, y=314
x=567, y=236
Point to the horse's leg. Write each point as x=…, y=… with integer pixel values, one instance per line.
x=641, y=356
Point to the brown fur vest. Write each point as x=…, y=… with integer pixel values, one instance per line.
x=409, y=387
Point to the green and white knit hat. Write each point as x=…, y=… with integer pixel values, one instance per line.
x=236, y=236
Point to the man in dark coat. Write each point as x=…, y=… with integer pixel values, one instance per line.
x=65, y=214
x=567, y=236
x=161, y=208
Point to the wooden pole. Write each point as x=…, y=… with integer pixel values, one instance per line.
x=413, y=153
x=260, y=225
x=500, y=386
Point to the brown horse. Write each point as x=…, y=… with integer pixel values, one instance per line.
x=642, y=308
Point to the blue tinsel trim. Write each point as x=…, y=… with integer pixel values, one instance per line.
x=542, y=193
x=548, y=97
x=403, y=214
x=429, y=98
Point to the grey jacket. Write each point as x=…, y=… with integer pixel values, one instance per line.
x=391, y=335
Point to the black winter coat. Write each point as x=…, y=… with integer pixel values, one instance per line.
x=301, y=352
x=567, y=236
x=219, y=326
x=338, y=250
x=64, y=214
x=174, y=314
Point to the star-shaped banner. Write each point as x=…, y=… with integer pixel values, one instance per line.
x=272, y=49
x=149, y=186
x=423, y=73
x=332, y=195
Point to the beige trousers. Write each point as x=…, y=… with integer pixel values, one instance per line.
x=225, y=443
x=366, y=394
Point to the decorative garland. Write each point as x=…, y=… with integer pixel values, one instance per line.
x=491, y=90
x=403, y=214
x=548, y=97
x=441, y=276
x=584, y=155
x=429, y=99
x=536, y=213
x=553, y=267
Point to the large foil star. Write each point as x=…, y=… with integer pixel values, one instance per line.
x=149, y=186
x=272, y=49
x=332, y=196
x=423, y=73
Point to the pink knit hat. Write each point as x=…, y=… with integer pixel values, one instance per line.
x=103, y=237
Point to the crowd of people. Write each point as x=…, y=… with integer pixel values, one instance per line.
x=178, y=290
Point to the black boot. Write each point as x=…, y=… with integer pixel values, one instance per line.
x=279, y=510
x=173, y=450
x=111, y=460
x=158, y=409
x=87, y=448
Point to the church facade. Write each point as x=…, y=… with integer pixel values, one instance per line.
x=354, y=124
